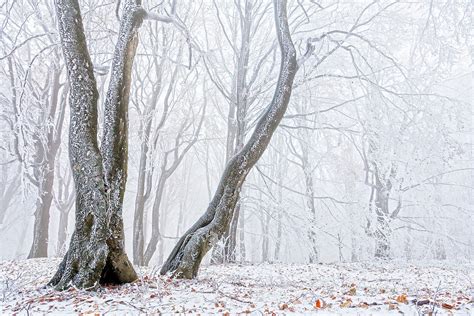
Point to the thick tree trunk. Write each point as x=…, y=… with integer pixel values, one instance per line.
x=187, y=255
x=96, y=252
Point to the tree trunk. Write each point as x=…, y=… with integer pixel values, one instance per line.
x=96, y=252
x=39, y=247
x=62, y=231
x=187, y=255
x=308, y=176
x=155, y=218
x=241, y=94
x=382, y=232
x=143, y=192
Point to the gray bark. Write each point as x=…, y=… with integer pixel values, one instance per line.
x=96, y=252
x=187, y=255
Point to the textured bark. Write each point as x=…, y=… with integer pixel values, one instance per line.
x=83, y=263
x=237, y=126
x=187, y=255
x=96, y=252
x=114, y=148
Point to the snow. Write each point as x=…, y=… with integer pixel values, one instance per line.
x=339, y=289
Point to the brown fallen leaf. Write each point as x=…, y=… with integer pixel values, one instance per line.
x=402, y=299
x=283, y=306
x=447, y=306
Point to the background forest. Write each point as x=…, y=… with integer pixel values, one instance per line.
x=373, y=158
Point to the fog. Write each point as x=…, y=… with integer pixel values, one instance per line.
x=373, y=157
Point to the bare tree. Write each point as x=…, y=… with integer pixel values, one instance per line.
x=188, y=253
x=96, y=252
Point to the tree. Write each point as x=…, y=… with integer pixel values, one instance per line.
x=38, y=101
x=96, y=251
x=243, y=91
x=186, y=257
x=155, y=137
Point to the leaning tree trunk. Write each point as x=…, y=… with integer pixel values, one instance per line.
x=96, y=252
x=187, y=255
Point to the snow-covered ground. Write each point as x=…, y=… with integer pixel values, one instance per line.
x=324, y=289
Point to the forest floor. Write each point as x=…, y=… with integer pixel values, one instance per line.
x=373, y=288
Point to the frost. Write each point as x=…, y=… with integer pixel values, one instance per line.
x=340, y=289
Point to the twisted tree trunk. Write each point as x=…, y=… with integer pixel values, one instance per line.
x=96, y=252
x=187, y=255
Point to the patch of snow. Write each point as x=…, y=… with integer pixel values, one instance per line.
x=375, y=288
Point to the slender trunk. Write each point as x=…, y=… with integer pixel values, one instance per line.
x=141, y=198
x=187, y=255
x=144, y=174
x=62, y=231
x=241, y=116
x=155, y=220
x=266, y=237
x=308, y=176
x=39, y=247
x=382, y=232
x=242, y=235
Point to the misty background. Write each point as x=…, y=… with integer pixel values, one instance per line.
x=377, y=139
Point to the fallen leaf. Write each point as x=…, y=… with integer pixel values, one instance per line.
x=346, y=304
x=422, y=302
x=319, y=303
x=352, y=291
x=447, y=306
x=402, y=299
x=283, y=306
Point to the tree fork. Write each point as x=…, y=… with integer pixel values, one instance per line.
x=96, y=252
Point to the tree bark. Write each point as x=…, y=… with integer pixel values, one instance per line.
x=96, y=252
x=187, y=255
